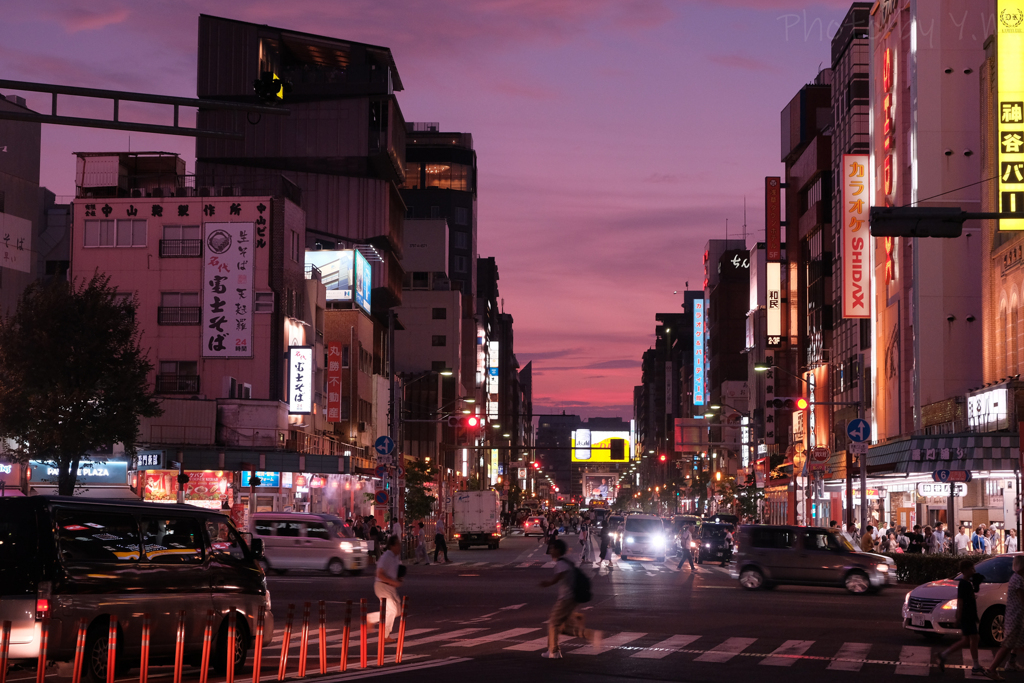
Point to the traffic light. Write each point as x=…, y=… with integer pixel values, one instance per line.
x=797, y=403
x=270, y=88
x=536, y=465
x=662, y=457
x=472, y=421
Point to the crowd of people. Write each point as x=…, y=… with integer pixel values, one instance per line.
x=928, y=540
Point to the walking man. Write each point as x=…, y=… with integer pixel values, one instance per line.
x=563, y=618
x=440, y=544
x=387, y=582
x=961, y=542
x=421, y=544
x=966, y=619
x=685, y=539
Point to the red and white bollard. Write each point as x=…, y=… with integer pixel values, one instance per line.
x=111, y=650
x=44, y=640
x=230, y=654
x=345, y=635
x=76, y=672
x=362, y=633
x=144, y=654
x=204, y=665
x=401, y=631
x=5, y=648
x=380, y=631
x=323, y=638
x=257, y=654
x=304, y=641
x=286, y=642
x=179, y=647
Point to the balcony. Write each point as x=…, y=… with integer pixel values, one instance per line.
x=178, y=315
x=177, y=384
x=181, y=248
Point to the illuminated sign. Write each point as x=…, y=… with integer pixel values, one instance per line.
x=698, y=353
x=773, y=218
x=149, y=460
x=333, y=381
x=602, y=488
x=227, y=290
x=337, y=271
x=591, y=446
x=300, y=380
x=856, y=267
x=364, y=282
x=987, y=410
x=930, y=489
x=267, y=479
x=89, y=472
x=1010, y=110
x=773, y=297
x=888, y=121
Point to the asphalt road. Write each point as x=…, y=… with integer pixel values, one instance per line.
x=482, y=617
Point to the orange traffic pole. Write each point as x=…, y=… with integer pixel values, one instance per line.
x=362, y=633
x=285, y=644
x=230, y=654
x=44, y=639
x=345, y=634
x=179, y=647
x=257, y=653
x=204, y=666
x=144, y=655
x=5, y=647
x=304, y=641
x=76, y=673
x=380, y=632
x=323, y=637
x=111, y=650
x=401, y=631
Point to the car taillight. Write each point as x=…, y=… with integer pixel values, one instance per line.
x=494, y=534
x=42, y=608
x=455, y=535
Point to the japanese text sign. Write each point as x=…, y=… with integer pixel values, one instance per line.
x=773, y=218
x=1010, y=110
x=856, y=257
x=333, y=381
x=698, y=352
x=228, y=261
x=15, y=243
x=773, y=292
x=300, y=380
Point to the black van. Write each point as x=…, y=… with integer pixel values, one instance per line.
x=71, y=559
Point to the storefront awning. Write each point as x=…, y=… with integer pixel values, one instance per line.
x=925, y=454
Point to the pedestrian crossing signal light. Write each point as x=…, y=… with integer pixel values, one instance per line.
x=662, y=457
x=798, y=403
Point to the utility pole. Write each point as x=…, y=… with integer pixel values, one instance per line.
x=863, y=456
x=393, y=415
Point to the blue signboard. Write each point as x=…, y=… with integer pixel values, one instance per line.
x=335, y=266
x=364, y=282
x=270, y=480
x=858, y=430
x=384, y=445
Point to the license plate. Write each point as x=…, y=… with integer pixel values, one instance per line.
x=917, y=619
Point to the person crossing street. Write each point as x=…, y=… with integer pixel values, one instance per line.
x=685, y=541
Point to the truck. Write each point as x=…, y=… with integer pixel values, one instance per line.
x=476, y=519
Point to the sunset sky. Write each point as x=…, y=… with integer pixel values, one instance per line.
x=614, y=138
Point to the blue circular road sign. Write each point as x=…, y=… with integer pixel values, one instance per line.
x=384, y=445
x=859, y=430
x=381, y=497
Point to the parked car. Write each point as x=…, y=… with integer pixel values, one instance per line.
x=930, y=609
x=294, y=540
x=70, y=559
x=532, y=525
x=644, y=537
x=766, y=556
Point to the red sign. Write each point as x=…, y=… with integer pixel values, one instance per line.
x=773, y=218
x=333, y=381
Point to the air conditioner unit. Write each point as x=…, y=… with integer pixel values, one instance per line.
x=362, y=426
x=227, y=191
x=246, y=391
x=138, y=192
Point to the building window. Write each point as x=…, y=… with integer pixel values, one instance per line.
x=57, y=268
x=447, y=176
x=420, y=280
x=264, y=302
x=439, y=314
x=461, y=215
x=344, y=356
x=365, y=361
x=178, y=377
x=460, y=264
x=120, y=233
x=181, y=241
x=295, y=250
x=435, y=212
x=346, y=408
x=461, y=240
x=438, y=340
x=179, y=308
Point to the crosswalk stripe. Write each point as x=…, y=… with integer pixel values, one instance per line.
x=665, y=647
x=985, y=657
x=503, y=635
x=451, y=635
x=847, y=653
x=723, y=652
x=787, y=653
x=914, y=661
x=525, y=564
x=548, y=565
x=530, y=645
x=609, y=643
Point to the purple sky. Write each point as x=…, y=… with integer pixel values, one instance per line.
x=613, y=138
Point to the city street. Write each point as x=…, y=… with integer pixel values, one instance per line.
x=482, y=617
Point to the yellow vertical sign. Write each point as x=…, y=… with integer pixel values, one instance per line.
x=1010, y=110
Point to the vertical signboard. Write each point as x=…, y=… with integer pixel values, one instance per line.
x=333, y=381
x=227, y=290
x=773, y=297
x=698, y=352
x=769, y=396
x=15, y=243
x=773, y=218
x=856, y=259
x=1010, y=110
x=363, y=282
x=300, y=380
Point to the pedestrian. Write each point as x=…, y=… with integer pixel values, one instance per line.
x=978, y=540
x=867, y=541
x=387, y=581
x=993, y=542
x=961, y=541
x=563, y=617
x=440, y=544
x=727, y=550
x=916, y=541
x=940, y=538
x=1011, y=541
x=604, y=533
x=1013, y=620
x=421, y=544
x=966, y=618
x=396, y=528
x=833, y=525
x=543, y=529
x=929, y=541
x=685, y=540
x=851, y=534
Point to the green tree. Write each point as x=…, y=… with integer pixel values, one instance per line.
x=418, y=501
x=72, y=375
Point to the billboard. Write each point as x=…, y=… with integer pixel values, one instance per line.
x=1010, y=110
x=856, y=257
x=364, y=282
x=334, y=381
x=227, y=291
x=593, y=446
x=698, y=352
x=773, y=295
x=600, y=487
x=337, y=271
x=300, y=380
x=773, y=218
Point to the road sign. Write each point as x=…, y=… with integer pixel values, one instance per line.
x=820, y=454
x=380, y=497
x=945, y=476
x=381, y=471
x=859, y=430
x=401, y=472
x=384, y=445
x=859, y=448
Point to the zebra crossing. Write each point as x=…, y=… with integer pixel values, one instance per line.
x=669, y=566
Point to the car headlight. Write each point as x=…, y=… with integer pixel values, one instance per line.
x=707, y=545
x=882, y=567
x=346, y=546
x=659, y=541
x=629, y=539
x=949, y=604
x=906, y=598
x=693, y=544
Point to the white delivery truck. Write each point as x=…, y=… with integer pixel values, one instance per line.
x=476, y=519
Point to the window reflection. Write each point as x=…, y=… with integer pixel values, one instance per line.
x=442, y=175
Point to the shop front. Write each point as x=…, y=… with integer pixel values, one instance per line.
x=98, y=477
x=10, y=478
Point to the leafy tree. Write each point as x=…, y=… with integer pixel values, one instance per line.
x=72, y=375
x=418, y=501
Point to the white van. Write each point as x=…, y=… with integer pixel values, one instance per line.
x=293, y=540
x=644, y=536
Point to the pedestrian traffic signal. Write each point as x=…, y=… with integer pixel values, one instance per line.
x=798, y=403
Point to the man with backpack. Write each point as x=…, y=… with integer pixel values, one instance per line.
x=573, y=589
